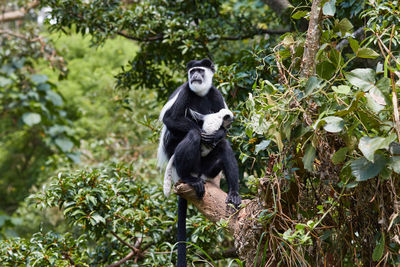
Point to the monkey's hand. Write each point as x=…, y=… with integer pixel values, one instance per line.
x=234, y=199
x=198, y=186
x=212, y=140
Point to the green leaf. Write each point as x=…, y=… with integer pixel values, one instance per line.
x=352, y=107
x=39, y=78
x=312, y=84
x=378, y=251
x=377, y=95
x=372, y=104
x=98, y=218
x=368, y=146
x=343, y=26
x=92, y=200
x=308, y=158
x=354, y=45
x=325, y=70
x=384, y=85
x=288, y=40
x=362, y=78
x=5, y=81
x=364, y=169
x=299, y=14
x=31, y=118
x=75, y=157
x=64, y=144
x=340, y=155
x=394, y=148
x=394, y=164
x=367, y=53
x=333, y=124
x=329, y=8
x=341, y=89
x=262, y=145
x=54, y=98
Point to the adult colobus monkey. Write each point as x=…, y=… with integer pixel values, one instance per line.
x=182, y=136
x=211, y=124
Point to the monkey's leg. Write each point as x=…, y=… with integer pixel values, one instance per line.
x=187, y=161
x=231, y=171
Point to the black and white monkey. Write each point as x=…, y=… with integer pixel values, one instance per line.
x=182, y=137
x=211, y=124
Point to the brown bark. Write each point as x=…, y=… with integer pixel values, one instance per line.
x=311, y=45
x=18, y=14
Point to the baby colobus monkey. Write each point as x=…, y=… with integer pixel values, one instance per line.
x=211, y=124
x=182, y=136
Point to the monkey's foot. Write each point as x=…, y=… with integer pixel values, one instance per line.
x=198, y=187
x=234, y=199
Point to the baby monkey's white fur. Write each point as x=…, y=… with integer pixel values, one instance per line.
x=212, y=123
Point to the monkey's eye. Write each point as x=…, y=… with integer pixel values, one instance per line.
x=198, y=70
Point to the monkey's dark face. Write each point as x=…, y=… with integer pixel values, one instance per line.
x=227, y=121
x=196, y=75
x=200, y=80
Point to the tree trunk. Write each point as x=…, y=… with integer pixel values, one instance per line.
x=311, y=45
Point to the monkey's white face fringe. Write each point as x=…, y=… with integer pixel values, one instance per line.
x=201, y=89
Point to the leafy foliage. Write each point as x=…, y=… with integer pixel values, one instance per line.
x=35, y=122
x=103, y=206
x=324, y=150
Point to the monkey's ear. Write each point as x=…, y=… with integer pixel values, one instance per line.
x=196, y=115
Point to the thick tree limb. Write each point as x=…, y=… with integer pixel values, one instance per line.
x=18, y=14
x=311, y=45
x=243, y=224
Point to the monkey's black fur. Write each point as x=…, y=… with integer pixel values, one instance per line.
x=183, y=137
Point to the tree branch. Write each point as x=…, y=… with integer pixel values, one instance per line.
x=123, y=260
x=135, y=250
x=160, y=36
x=311, y=45
x=124, y=242
x=144, y=39
x=20, y=36
x=18, y=14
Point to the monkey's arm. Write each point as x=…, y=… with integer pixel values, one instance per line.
x=213, y=139
x=175, y=118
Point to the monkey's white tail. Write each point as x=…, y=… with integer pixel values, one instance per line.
x=170, y=176
x=162, y=157
x=170, y=171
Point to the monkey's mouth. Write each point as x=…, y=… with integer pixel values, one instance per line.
x=197, y=81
